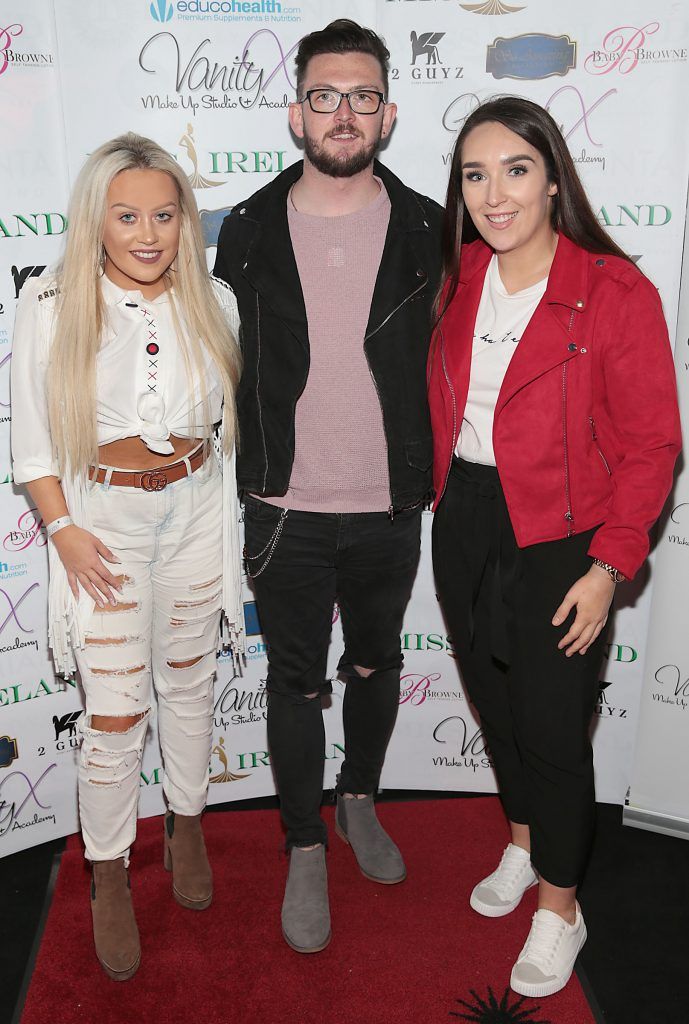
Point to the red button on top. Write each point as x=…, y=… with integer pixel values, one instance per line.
x=152, y=348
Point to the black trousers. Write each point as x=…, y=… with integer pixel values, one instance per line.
x=301, y=562
x=535, y=704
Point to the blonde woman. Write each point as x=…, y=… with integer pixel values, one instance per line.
x=123, y=362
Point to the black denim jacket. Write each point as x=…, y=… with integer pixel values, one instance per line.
x=255, y=257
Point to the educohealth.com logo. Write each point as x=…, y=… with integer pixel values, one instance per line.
x=162, y=10
x=222, y=10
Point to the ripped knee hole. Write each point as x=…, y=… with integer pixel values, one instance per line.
x=205, y=586
x=364, y=672
x=111, y=641
x=121, y=606
x=201, y=603
x=185, y=664
x=114, y=724
x=118, y=671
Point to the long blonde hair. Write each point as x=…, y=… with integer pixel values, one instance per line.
x=81, y=314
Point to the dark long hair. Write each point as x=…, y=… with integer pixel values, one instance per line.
x=571, y=212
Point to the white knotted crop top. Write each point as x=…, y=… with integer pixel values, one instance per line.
x=142, y=389
x=142, y=386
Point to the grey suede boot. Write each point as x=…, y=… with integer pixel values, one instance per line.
x=305, y=908
x=378, y=857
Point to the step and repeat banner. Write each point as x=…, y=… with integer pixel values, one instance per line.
x=211, y=81
x=659, y=796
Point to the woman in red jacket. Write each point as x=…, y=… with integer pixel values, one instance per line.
x=556, y=428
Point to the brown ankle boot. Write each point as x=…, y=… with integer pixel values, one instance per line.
x=115, y=934
x=186, y=857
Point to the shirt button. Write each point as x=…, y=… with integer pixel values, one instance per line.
x=583, y=351
x=580, y=303
x=572, y=347
x=420, y=272
x=243, y=210
x=600, y=263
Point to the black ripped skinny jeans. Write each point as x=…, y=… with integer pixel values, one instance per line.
x=302, y=562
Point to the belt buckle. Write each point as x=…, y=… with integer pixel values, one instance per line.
x=153, y=480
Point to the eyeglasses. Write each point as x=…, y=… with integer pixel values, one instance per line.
x=327, y=101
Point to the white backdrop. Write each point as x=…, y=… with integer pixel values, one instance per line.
x=210, y=80
x=659, y=794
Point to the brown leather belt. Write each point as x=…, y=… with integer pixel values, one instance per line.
x=151, y=479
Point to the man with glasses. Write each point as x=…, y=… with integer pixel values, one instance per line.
x=335, y=265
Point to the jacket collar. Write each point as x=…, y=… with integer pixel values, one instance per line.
x=567, y=280
x=406, y=208
x=407, y=212
x=270, y=265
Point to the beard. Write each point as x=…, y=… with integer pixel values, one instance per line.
x=344, y=166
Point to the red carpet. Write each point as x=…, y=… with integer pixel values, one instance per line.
x=403, y=954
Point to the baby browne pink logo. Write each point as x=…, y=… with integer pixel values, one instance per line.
x=6, y=37
x=28, y=531
x=414, y=687
x=625, y=47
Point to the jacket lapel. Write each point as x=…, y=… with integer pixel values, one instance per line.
x=457, y=326
x=270, y=265
x=403, y=275
x=552, y=335
x=544, y=345
x=402, y=271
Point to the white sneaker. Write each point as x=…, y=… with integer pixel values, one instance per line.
x=502, y=891
x=545, y=964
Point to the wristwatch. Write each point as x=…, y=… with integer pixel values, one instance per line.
x=614, y=574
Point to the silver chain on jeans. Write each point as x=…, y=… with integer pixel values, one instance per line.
x=270, y=548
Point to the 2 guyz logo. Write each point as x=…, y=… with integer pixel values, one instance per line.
x=431, y=69
x=426, y=45
x=66, y=723
x=20, y=277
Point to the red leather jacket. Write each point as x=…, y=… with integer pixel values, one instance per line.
x=586, y=428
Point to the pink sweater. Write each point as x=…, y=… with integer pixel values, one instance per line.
x=340, y=458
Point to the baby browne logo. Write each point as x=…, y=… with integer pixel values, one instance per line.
x=6, y=37
x=626, y=47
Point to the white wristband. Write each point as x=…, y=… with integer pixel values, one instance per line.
x=58, y=524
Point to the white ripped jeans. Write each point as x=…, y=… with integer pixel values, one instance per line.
x=162, y=633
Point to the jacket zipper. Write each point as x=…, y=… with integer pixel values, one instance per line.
x=569, y=516
x=594, y=435
x=454, y=411
x=258, y=382
x=392, y=313
x=391, y=507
